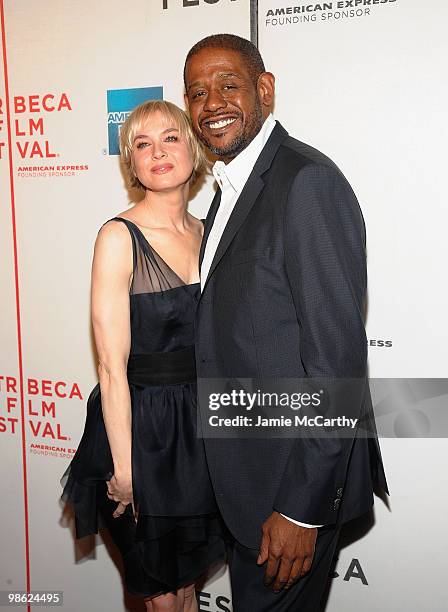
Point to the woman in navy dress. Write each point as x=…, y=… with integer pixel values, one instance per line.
x=140, y=469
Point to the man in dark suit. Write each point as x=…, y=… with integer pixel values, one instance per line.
x=283, y=275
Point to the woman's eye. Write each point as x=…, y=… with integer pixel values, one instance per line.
x=142, y=144
x=172, y=139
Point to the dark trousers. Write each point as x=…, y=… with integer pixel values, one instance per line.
x=249, y=593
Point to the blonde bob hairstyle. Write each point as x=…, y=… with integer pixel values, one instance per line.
x=171, y=112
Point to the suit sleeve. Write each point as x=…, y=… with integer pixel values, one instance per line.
x=326, y=269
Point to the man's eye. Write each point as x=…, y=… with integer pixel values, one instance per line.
x=197, y=94
x=229, y=86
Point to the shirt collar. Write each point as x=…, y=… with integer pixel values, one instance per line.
x=236, y=172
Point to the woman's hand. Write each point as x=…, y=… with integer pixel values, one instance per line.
x=120, y=490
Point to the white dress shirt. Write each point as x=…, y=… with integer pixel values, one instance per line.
x=231, y=179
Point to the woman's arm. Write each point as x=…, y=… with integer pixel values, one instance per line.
x=111, y=273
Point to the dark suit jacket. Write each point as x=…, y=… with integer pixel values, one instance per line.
x=284, y=298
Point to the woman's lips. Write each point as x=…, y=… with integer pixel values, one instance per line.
x=162, y=168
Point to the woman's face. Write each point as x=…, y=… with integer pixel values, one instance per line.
x=161, y=155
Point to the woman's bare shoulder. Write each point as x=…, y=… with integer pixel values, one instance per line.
x=113, y=234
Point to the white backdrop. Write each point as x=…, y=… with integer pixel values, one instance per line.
x=369, y=91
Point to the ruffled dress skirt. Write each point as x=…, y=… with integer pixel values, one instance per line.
x=178, y=533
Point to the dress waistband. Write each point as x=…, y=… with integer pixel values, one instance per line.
x=164, y=368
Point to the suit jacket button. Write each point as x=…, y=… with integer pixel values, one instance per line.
x=339, y=492
x=336, y=504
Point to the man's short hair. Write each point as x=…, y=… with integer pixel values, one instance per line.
x=230, y=42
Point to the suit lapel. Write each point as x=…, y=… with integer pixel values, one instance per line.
x=242, y=208
x=247, y=198
x=209, y=223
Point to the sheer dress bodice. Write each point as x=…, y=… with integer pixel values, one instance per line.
x=162, y=305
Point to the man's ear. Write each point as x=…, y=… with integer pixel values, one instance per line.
x=266, y=89
x=186, y=101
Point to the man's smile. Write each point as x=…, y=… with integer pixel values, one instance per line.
x=219, y=126
x=216, y=125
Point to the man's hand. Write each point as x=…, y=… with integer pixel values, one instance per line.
x=289, y=550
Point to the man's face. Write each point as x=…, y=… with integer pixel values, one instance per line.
x=226, y=107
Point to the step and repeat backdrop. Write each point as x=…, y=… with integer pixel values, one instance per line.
x=74, y=70
x=361, y=80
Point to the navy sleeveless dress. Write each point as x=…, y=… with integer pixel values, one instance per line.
x=179, y=532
